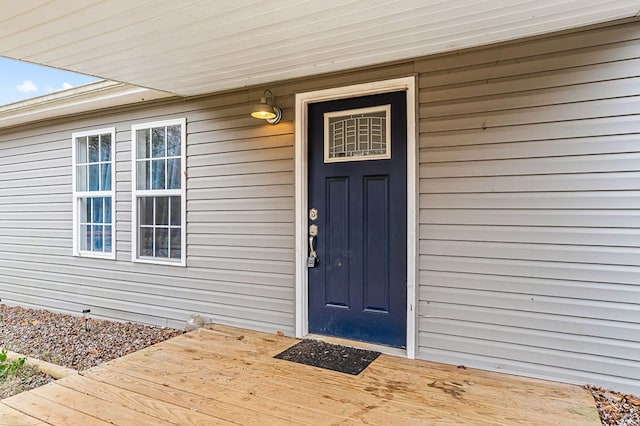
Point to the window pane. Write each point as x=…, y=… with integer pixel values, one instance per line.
x=357, y=134
x=107, y=239
x=158, y=174
x=94, y=149
x=85, y=237
x=85, y=210
x=105, y=177
x=97, y=238
x=162, y=211
x=173, y=141
x=176, y=211
x=81, y=150
x=81, y=178
x=143, y=144
x=162, y=243
x=97, y=210
x=107, y=209
x=173, y=173
x=157, y=142
x=143, y=175
x=175, y=244
x=94, y=236
x=94, y=178
x=146, y=242
x=105, y=147
x=146, y=210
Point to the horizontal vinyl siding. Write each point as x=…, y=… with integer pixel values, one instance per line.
x=530, y=208
x=240, y=261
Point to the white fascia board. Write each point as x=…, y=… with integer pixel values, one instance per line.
x=93, y=96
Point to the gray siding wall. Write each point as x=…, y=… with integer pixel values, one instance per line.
x=529, y=208
x=529, y=256
x=240, y=260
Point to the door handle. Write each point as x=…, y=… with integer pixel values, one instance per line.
x=312, y=260
x=312, y=251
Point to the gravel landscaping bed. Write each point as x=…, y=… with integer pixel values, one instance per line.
x=27, y=378
x=616, y=409
x=68, y=341
x=62, y=339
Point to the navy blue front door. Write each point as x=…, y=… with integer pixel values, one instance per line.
x=358, y=288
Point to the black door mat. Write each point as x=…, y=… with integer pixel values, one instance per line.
x=343, y=359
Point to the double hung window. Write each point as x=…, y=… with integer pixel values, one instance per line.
x=158, y=161
x=93, y=193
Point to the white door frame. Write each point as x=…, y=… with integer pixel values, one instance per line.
x=407, y=84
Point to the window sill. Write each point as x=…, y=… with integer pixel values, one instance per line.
x=153, y=261
x=92, y=255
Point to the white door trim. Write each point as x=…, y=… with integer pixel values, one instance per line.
x=407, y=84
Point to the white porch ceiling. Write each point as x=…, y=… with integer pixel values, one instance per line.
x=196, y=47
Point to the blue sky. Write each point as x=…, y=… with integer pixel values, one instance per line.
x=21, y=80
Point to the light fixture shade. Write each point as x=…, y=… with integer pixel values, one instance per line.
x=265, y=111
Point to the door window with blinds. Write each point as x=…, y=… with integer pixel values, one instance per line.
x=357, y=134
x=159, y=192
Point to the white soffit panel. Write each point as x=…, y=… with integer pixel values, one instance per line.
x=198, y=47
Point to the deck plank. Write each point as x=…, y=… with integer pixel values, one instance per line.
x=222, y=375
x=13, y=417
x=106, y=411
x=137, y=401
x=50, y=412
x=213, y=404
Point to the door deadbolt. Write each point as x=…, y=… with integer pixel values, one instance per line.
x=313, y=214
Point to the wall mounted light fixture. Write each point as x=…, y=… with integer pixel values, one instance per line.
x=265, y=110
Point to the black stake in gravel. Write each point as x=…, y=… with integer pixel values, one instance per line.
x=86, y=319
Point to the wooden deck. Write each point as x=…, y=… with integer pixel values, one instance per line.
x=224, y=375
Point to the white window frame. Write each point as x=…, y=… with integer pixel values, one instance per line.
x=137, y=193
x=77, y=195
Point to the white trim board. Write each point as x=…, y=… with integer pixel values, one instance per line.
x=303, y=100
x=79, y=100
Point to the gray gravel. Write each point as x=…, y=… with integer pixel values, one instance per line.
x=615, y=408
x=26, y=378
x=62, y=339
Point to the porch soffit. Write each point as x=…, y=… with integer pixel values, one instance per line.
x=198, y=47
